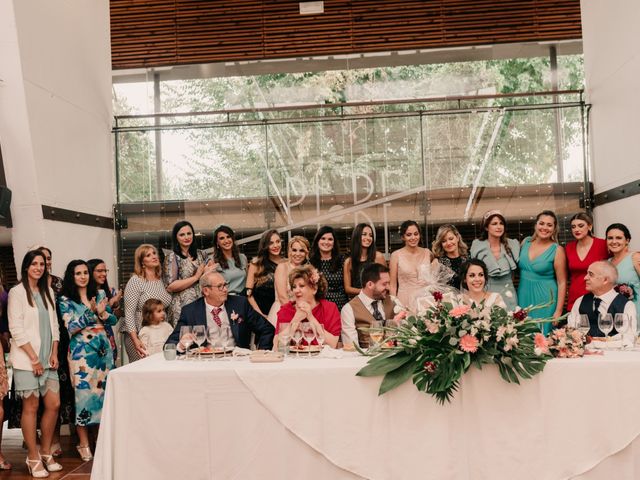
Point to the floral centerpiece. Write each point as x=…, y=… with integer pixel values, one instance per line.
x=566, y=342
x=435, y=347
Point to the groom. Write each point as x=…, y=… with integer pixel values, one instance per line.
x=217, y=309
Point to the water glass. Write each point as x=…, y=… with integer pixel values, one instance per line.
x=169, y=351
x=297, y=337
x=376, y=333
x=309, y=335
x=199, y=336
x=284, y=337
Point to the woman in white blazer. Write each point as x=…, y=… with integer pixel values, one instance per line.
x=33, y=324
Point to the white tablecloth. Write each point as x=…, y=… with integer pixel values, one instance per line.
x=315, y=419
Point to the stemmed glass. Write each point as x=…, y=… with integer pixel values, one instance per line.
x=297, y=337
x=215, y=339
x=584, y=325
x=309, y=334
x=320, y=336
x=605, y=324
x=376, y=333
x=199, y=336
x=621, y=324
x=389, y=325
x=186, y=338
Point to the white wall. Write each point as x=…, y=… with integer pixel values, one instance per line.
x=55, y=122
x=611, y=45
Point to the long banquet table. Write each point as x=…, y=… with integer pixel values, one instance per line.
x=313, y=418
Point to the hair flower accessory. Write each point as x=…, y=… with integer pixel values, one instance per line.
x=314, y=278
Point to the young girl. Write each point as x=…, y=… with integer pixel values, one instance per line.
x=155, y=329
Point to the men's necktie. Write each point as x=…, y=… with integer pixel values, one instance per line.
x=596, y=305
x=376, y=313
x=215, y=311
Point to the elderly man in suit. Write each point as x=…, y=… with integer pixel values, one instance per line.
x=217, y=309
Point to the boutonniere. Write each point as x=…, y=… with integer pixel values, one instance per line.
x=235, y=317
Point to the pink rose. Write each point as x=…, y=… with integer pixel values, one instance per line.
x=469, y=344
x=400, y=316
x=460, y=310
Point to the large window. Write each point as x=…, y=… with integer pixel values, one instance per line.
x=434, y=143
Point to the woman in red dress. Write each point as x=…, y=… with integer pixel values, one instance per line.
x=581, y=253
x=308, y=288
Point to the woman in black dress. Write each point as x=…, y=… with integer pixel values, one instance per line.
x=451, y=251
x=326, y=257
x=260, y=275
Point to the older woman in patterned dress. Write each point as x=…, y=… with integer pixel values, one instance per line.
x=145, y=283
x=84, y=311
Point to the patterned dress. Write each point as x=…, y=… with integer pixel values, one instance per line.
x=455, y=264
x=335, y=291
x=90, y=357
x=178, y=268
x=138, y=291
x=264, y=290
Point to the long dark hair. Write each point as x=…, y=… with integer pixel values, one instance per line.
x=262, y=257
x=336, y=258
x=193, y=252
x=503, y=239
x=405, y=226
x=93, y=263
x=43, y=282
x=69, y=287
x=218, y=256
x=356, y=249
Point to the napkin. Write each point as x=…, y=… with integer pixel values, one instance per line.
x=328, y=352
x=241, y=352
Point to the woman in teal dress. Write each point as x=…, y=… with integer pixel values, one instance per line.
x=84, y=311
x=626, y=262
x=500, y=254
x=543, y=270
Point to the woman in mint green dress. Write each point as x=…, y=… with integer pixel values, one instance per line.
x=626, y=262
x=500, y=254
x=543, y=270
x=84, y=311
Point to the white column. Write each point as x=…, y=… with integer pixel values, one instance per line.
x=611, y=45
x=55, y=123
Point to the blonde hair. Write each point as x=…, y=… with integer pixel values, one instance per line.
x=299, y=239
x=438, y=251
x=139, y=255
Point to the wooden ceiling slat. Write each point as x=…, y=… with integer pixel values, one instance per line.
x=148, y=33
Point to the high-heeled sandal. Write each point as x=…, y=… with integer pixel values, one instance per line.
x=4, y=465
x=50, y=463
x=85, y=452
x=36, y=468
x=56, y=449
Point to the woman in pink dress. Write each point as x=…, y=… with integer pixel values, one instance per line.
x=410, y=267
x=581, y=253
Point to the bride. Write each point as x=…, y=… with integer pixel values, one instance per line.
x=474, y=283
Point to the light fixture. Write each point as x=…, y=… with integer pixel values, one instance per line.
x=311, y=8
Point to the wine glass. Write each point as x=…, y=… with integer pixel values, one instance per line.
x=605, y=324
x=199, y=336
x=584, y=325
x=376, y=333
x=297, y=337
x=309, y=334
x=621, y=324
x=186, y=338
x=389, y=326
x=320, y=336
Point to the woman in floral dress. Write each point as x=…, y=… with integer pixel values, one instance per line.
x=84, y=311
x=183, y=267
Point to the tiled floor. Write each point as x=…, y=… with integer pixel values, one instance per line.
x=74, y=467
